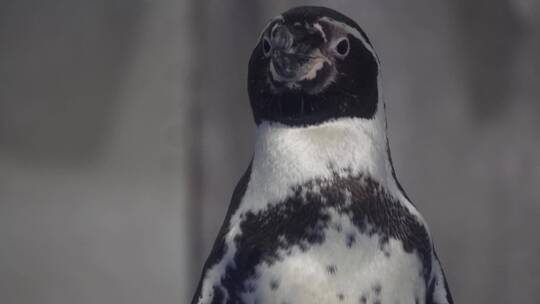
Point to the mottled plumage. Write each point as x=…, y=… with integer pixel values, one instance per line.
x=319, y=216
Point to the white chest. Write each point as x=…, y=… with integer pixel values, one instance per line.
x=348, y=267
x=349, y=263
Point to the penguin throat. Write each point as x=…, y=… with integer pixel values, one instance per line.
x=289, y=156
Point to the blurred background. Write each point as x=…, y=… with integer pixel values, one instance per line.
x=125, y=125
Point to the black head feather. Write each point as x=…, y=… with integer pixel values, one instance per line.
x=312, y=64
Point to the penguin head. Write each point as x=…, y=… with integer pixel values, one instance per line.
x=311, y=65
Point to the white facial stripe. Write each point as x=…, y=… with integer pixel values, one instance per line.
x=273, y=29
x=267, y=24
x=320, y=29
x=354, y=32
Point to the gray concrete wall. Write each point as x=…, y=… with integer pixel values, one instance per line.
x=124, y=126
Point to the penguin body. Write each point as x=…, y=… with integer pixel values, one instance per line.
x=319, y=216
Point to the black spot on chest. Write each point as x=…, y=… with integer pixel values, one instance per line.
x=331, y=269
x=302, y=219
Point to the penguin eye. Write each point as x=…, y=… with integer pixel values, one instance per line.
x=342, y=47
x=267, y=47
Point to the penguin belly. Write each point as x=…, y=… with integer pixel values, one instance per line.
x=347, y=266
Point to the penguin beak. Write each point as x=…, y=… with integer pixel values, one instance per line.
x=295, y=55
x=287, y=67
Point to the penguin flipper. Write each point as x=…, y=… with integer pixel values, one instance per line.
x=218, y=249
x=438, y=291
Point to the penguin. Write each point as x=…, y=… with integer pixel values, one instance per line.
x=319, y=215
